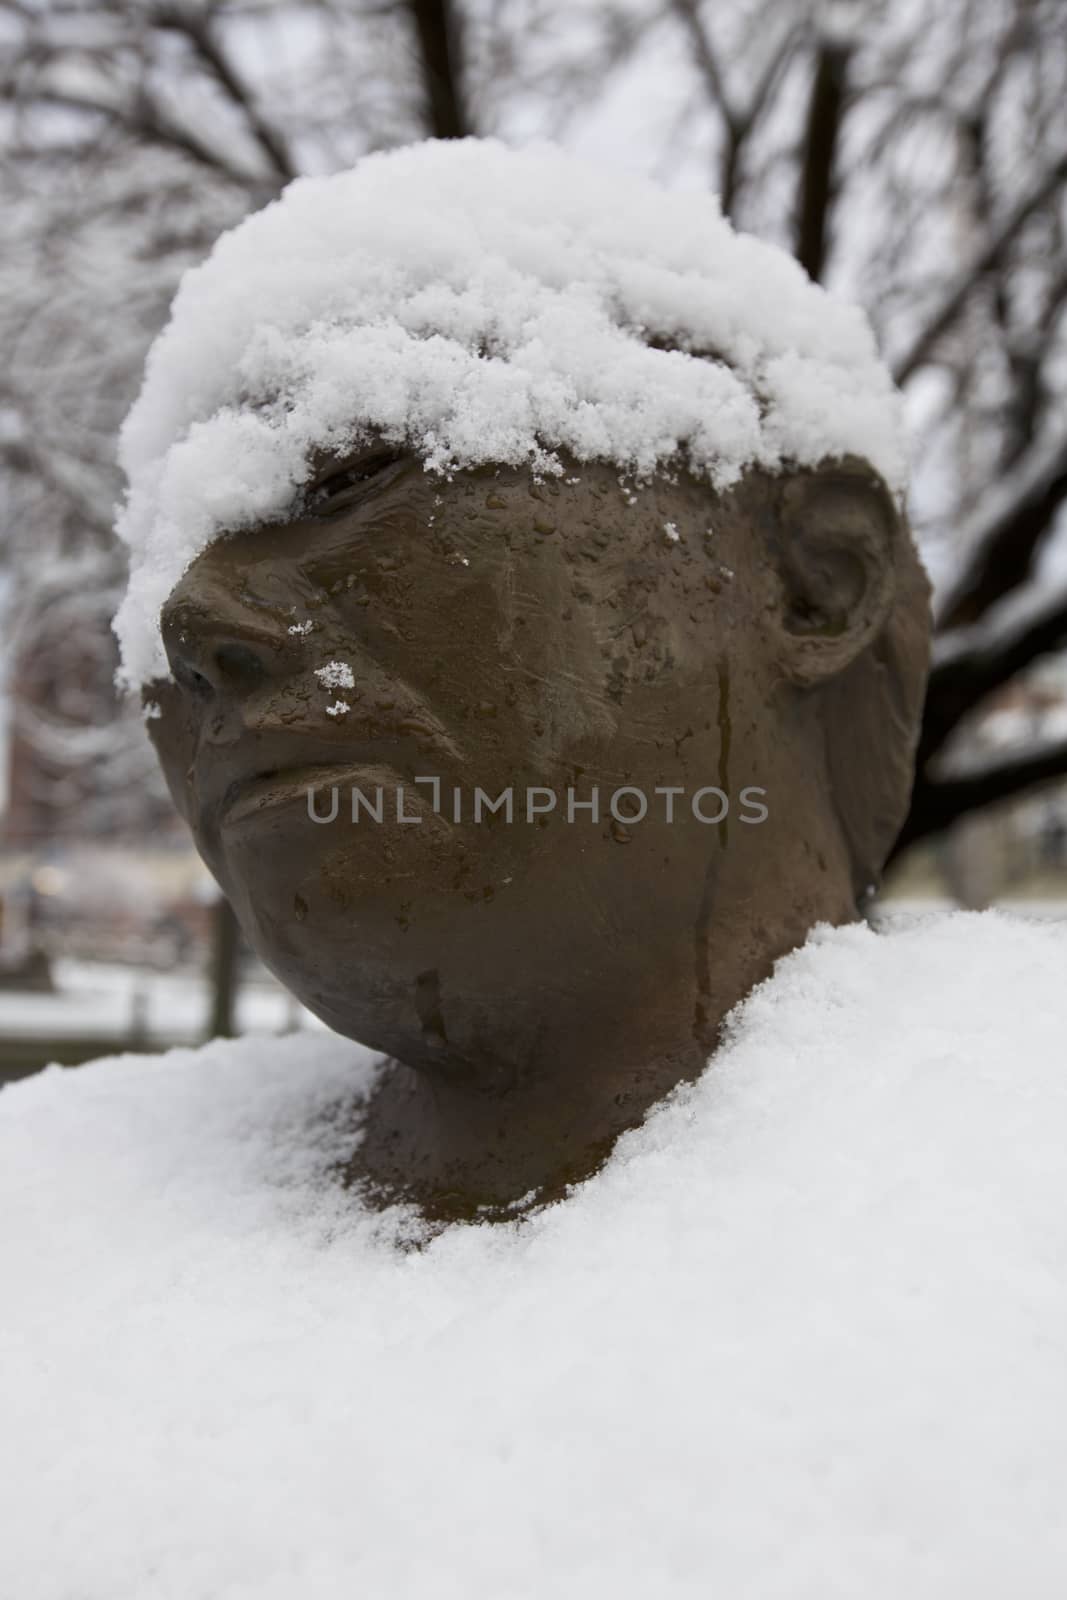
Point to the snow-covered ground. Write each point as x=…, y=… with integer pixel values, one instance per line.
x=111, y=1000
x=1052, y=908
x=803, y=1338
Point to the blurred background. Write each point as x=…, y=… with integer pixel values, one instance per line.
x=912, y=155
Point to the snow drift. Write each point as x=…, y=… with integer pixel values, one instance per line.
x=803, y=1337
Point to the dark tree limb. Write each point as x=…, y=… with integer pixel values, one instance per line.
x=935, y=806
x=825, y=114
x=438, y=29
x=1005, y=553
x=959, y=684
x=223, y=970
x=957, y=687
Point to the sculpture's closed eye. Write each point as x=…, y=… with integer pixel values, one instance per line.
x=190, y=678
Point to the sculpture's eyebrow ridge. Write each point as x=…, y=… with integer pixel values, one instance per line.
x=340, y=484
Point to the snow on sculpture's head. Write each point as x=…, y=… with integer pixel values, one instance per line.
x=547, y=533
x=480, y=305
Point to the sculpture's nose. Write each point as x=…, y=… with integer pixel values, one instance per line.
x=222, y=649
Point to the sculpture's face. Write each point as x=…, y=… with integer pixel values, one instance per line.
x=493, y=634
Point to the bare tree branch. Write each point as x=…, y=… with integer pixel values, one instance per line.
x=438, y=30
x=688, y=14
x=988, y=258
x=936, y=806
x=738, y=121
x=734, y=129
x=142, y=121
x=195, y=27
x=961, y=681
x=825, y=113
x=1004, y=553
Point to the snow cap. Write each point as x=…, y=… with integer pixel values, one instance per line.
x=478, y=304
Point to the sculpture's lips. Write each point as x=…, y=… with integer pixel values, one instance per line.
x=279, y=767
x=281, y=786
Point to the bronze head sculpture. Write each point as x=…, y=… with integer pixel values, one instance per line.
x=524, y=777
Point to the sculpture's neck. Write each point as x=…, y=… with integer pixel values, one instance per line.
x=481, y=1132
x=455, y=1141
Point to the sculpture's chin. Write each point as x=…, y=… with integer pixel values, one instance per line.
x=344, y=914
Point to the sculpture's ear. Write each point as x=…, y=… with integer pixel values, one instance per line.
x=835, y=537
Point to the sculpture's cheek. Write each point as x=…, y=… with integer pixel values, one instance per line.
x=173, y=727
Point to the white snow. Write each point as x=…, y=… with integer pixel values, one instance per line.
x=340, y=708
x=802, y=1339
x=478, y=304
x=336, y=675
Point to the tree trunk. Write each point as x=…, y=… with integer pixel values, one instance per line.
x=225, y=943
